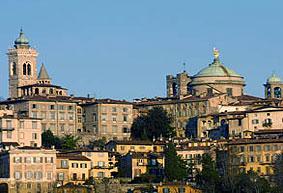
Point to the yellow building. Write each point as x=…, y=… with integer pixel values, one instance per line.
x=176, y=188
x=103, y=163
x=253, y=154
x=135, y=164
x=73, y=168
x=123, y=147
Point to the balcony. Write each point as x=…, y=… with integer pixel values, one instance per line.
x=7, y=129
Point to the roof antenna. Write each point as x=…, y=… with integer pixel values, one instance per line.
x=184, y=66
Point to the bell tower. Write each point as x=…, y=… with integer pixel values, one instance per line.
x=273, y=87
x=22, y=65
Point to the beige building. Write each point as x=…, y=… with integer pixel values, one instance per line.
x=73, y=168
x=61, y=115
x=240, y=123
x=108, y=119
x=22, y=131
x=28, y=169
x=257, y=155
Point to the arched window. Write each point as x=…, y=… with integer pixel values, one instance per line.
x=60, y=92
x=36, y=91
x=51, y=91
x=43, y=91
x=25, y=69
x=277, y=92
x=14, y=68
x=29, y=69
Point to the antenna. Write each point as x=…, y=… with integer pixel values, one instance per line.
x=184, y=66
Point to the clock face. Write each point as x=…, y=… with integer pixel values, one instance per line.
x=277, y=92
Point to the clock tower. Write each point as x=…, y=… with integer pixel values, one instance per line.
x=22, y=65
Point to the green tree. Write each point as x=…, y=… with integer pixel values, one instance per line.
x=69, y=142
x=49, y=140
x=156, y=123
x=175, y=167
x=278, y=171
x=208, y=179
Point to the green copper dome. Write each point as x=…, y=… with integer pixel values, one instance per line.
x=273, y=78
x=21, y=40
x=216, y=69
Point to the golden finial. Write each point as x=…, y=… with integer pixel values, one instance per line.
x=216, y=53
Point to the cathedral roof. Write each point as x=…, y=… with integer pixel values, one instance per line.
x=43, y=75
x=21, y=40
x=216, y=69
x=273, y=79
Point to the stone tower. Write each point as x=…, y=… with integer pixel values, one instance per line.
x=177, y=86
x=22, y=65
x=273, y=87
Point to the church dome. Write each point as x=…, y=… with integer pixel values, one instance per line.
x=21, y=40
x=273, y=79
x=216, y=69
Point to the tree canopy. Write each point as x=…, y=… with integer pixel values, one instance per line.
x=156, y=123
x=67, y=142
x=175, y=167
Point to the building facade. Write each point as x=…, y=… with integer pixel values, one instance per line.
x=108, y=119
x=28, y=169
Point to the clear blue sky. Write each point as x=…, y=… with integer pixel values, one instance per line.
x=124, y=48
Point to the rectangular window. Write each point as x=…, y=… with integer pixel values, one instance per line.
x=22, y=124
x=61, y=176
x=94, y=117
x=100, y=174
x=114, y=109
x=8, y=124
x=61, y=116
x=29, y=175
x=114, y=118
x=255, y=121
x=18, y=175
x=74, y=176
x=83, y=176
x=229, y=91
x=43, y=115
x=114, y=128
x=34, y=124
x=49, y=175
x=71, y=116
x=125, y=109
x=9, y=134
x=34, y=136
x=61, y=107
x=34, y=106
x=62, y=127
x=64, y=164
x=52, y=115
x=34, y=114
x=103, y=117
x=38, y=175
x=51, y=107
x=104, y=129
x=70, y=108
x=125, y=118
x=101, y=164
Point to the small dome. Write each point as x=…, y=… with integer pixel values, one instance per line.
x=273, y=78
x=21, y=40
